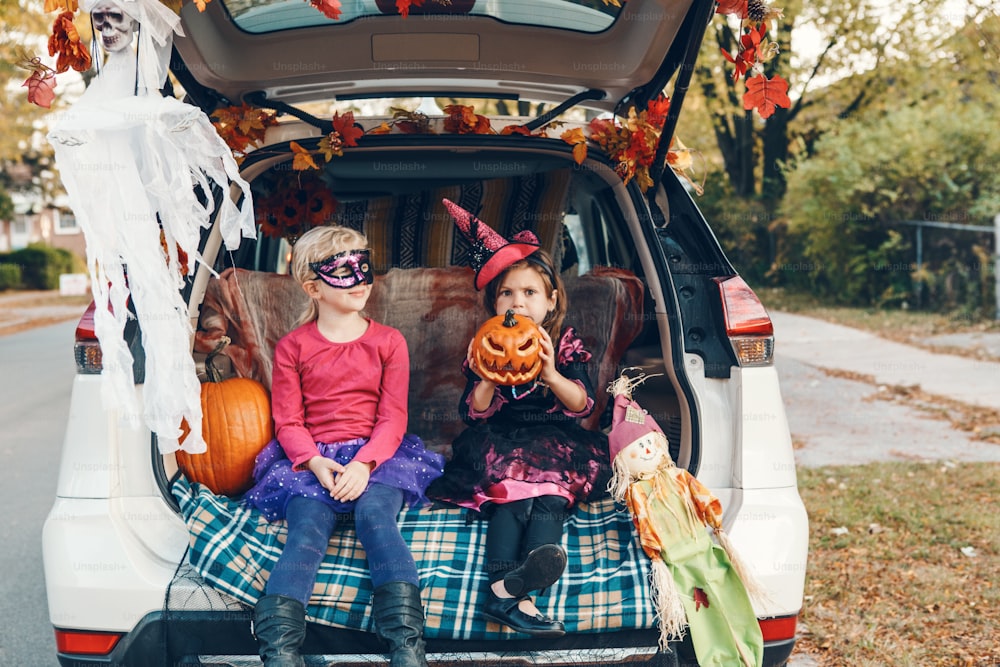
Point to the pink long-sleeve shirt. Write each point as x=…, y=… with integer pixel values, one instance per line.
x=333, y=392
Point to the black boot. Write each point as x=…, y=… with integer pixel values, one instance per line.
x=279, y=624
x=399, y=621
x=540, y=569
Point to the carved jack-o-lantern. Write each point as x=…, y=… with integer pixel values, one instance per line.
x=506, y=350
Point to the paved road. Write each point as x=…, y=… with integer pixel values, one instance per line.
x=840, y=421
x=37, y=368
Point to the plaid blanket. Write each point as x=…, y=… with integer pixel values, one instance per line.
x=605, y=587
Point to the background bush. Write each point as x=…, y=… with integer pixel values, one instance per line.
x=844, y=205
x=40, y=266
x=10, y=276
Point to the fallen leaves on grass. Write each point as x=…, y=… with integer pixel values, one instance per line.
x=907, y=594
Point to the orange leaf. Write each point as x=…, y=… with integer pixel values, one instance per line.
x=41, y=88
x=516, y=129
x=578, y=140
x=765, y=94
x=200, y=4
x=464, y=120
x=303, y=159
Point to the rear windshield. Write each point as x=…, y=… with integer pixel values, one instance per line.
x=261, y=16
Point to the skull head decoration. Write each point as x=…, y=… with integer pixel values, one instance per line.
x=506, y=350
x=115, y=27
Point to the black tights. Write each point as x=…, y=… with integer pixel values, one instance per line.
x=518, y=527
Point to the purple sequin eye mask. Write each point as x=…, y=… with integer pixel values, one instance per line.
x=331, y=270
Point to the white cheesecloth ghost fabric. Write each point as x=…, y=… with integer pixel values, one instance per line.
x=130, y=160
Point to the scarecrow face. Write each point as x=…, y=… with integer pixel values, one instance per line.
x=114, y=26
x=646, y=454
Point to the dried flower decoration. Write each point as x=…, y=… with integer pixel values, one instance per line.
x=65, y=41
x=289, y=203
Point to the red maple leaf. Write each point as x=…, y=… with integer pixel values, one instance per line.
x=329, y=8
x=403, y=6
x=41, y=88
x=345, y=127
x=657, y=109
x=735, y=7
x=747, y=55
x=700, y=599
x=765, y=94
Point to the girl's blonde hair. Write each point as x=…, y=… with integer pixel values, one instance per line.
x=541, y=262
x=316, y=245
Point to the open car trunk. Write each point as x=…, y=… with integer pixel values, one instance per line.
x=424, y=288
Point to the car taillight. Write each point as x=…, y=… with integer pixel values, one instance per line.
x=86, y=643
x=778, y=628
x=86, y=350
x=747, y=323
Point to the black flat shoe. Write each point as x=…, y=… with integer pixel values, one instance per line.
x=505, y=612
x=542, y=568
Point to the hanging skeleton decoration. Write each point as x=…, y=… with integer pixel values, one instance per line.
x=132, y=162
x=114, y=26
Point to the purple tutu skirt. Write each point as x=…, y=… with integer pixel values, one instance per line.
x=410, y=469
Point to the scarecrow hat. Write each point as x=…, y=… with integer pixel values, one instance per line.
x=491, y=253
x=629, y=422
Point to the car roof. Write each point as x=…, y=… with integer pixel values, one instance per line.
x=584, y=52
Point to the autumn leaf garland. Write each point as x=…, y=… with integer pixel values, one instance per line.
x=762, y=94
x=630, y=142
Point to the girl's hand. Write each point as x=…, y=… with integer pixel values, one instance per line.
x=548, y=356
x=470, y=359
x=352, y=482
x=325, y=469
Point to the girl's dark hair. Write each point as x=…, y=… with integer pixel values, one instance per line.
x=541, y=262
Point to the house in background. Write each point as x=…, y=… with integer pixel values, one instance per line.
x=53, y=224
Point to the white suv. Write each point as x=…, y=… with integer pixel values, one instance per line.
x=132, y=550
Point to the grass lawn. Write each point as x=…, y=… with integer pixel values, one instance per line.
x=903, y=565
x=904, y=558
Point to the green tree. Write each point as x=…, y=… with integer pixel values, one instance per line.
x=851, y=57
x=24, y=152
x=924, y=162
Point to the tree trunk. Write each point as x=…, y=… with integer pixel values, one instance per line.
x=775, y=156
x=775, y=149
x=734, y=130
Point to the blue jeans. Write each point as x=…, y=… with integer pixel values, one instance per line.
x=310, y=525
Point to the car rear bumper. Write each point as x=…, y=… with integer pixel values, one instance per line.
x=216, y=638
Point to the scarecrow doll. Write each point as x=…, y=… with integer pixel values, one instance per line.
x=694, y=580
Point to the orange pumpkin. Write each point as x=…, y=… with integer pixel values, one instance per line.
x=236, y=424
x=506, y=350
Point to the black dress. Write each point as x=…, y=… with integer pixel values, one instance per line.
x=527, y=444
